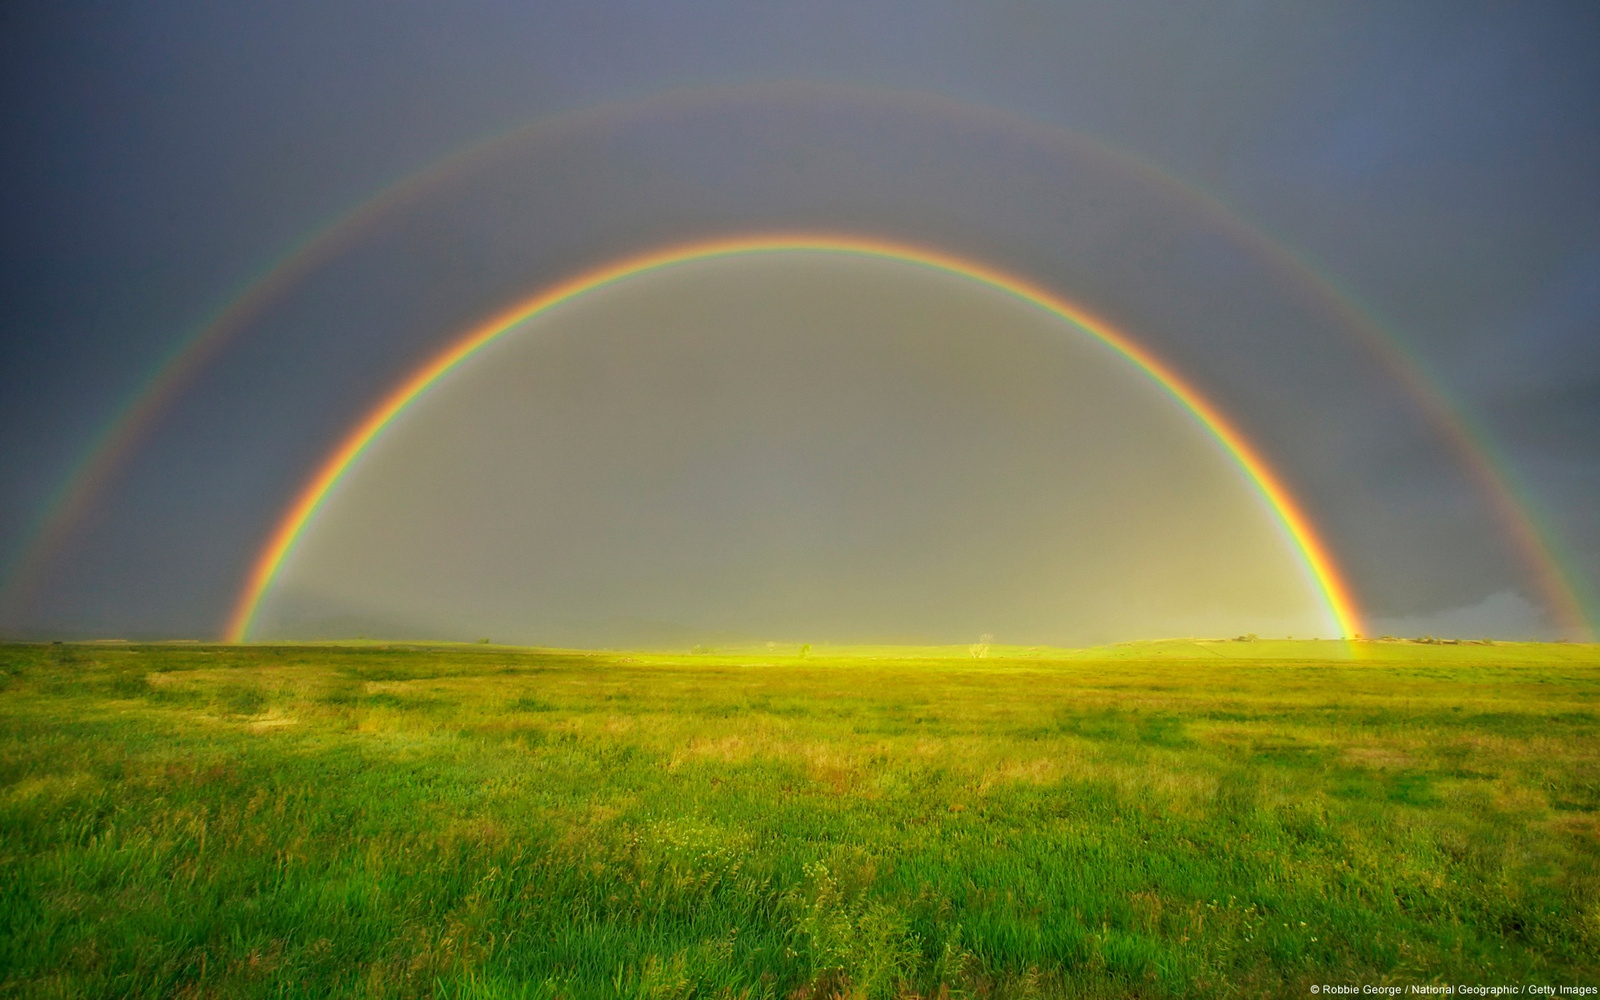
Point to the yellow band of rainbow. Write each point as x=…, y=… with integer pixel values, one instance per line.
x=1313, y=552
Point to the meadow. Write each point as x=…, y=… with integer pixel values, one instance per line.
x=1184, y=819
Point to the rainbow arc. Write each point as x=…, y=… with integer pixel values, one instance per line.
x=1316, y=560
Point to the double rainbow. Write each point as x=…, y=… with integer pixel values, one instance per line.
x=1535, y=543
x=1291, y=518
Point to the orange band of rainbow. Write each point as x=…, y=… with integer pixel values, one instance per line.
x=1314, y=554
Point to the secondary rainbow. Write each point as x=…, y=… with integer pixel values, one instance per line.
x=1314, y=554
x=1561, y=585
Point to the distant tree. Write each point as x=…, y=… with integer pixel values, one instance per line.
x=805, y=650
x=980, y=649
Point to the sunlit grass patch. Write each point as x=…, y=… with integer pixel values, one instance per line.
x=313, y=821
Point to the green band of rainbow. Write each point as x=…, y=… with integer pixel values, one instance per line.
x=1313, y=553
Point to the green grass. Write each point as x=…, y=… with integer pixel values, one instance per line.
x=1169, y=819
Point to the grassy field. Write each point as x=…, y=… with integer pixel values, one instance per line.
x=1176, y=819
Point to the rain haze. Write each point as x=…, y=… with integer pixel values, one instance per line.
x=1367, y=235
x=795, y=446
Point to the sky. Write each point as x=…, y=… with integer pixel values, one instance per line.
x=1368, y=233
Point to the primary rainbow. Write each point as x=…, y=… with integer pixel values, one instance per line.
x=1313, y=552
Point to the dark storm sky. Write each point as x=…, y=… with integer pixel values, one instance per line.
x=1439, y=162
